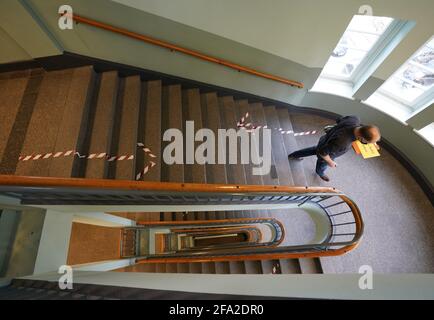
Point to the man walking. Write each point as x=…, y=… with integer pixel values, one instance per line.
x=336, y=142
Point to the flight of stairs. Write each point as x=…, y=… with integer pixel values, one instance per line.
x=80, y=109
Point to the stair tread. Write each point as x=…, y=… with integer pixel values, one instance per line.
x=43, y=128
x=194, y=173
x=152, y=91
x=128, y=128
x=253, y=267
x=291, y=145
x=278, y=147
x=101, y=133
x=242, y=107
x=172, y=119
x=258, y=119
x=12, y=94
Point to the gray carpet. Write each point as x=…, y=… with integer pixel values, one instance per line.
x=399, y=219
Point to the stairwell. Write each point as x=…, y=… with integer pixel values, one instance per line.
x=104, y=112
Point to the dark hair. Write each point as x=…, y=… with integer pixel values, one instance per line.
x=367, y=132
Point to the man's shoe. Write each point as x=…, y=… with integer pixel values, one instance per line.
x=325, y=178
x=294, y=158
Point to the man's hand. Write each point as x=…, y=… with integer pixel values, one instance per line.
x=330, y=161
x=332, y=164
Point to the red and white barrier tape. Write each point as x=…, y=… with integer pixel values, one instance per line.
x=94, y=156
x=250, y=127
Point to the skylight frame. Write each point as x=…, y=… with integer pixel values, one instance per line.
x=424, y=99
x=373, y=51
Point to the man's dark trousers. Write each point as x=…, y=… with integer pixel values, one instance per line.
x=321, y=164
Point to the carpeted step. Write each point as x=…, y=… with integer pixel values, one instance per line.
x=235, y=172
x=151, y=133
x=222, y=267
x=194, y=173
x=253, y=266
x=101, y=127
x=297, y=169
x=237, y=267
x=17, y=94
x=278, y=146
x=195, y=267
x=290, y=266
x=128, y=129
x=44, y=126
x=208, y=267
x=171, y=119
x=258, y=119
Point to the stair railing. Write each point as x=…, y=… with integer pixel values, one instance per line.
x=338, y=220
x=193, y=53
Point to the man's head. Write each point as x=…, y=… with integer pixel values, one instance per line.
x=368, y=134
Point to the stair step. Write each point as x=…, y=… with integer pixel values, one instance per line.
x=183, y=268
x=237, y=267
x=161, y=268
x=291, y=145
x=43, y=129
x=216, y=173
x=194, y=173
x=18, y=94
x=195, y=267
x=278, y=147
x=235, y=172
x=172, y=119
x=222, y=268
x=267, y=266
x=208, y=267
x=147, y=267
x=310, y=265
x=288, y=266
x=242, y=107
x=103, y=120
x=171, y=268
x=253, y=266
x=151, y=136
x=257, y=116
x=129, y=116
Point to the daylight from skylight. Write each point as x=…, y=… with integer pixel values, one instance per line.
x=362, y=34
x=415, y=79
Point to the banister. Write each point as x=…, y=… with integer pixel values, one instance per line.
x=9, y=180
x=186, y=51
x=161, y=193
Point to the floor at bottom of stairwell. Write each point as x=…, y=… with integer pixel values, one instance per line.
x=398, y=216
x=90, y=243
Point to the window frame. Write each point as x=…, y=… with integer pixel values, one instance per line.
x=372, y=55
x=420, y=102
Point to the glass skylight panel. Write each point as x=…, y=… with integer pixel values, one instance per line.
x=415, y=78
x=362, y=34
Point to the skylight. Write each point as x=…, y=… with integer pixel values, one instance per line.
x=413, y=83
x=362, y=34
x=428, y=133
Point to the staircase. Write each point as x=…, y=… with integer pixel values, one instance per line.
x=103, y=112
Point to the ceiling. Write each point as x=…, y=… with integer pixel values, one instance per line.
x=305, y=31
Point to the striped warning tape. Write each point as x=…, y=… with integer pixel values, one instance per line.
x=250, y=127
x=94, y=156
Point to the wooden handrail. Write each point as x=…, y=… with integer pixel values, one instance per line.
x=8, y=180
x=125, y=185
x=186, y=51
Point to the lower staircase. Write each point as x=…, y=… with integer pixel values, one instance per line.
x=105, y=112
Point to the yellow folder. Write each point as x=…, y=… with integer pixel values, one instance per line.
x=366, y=150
